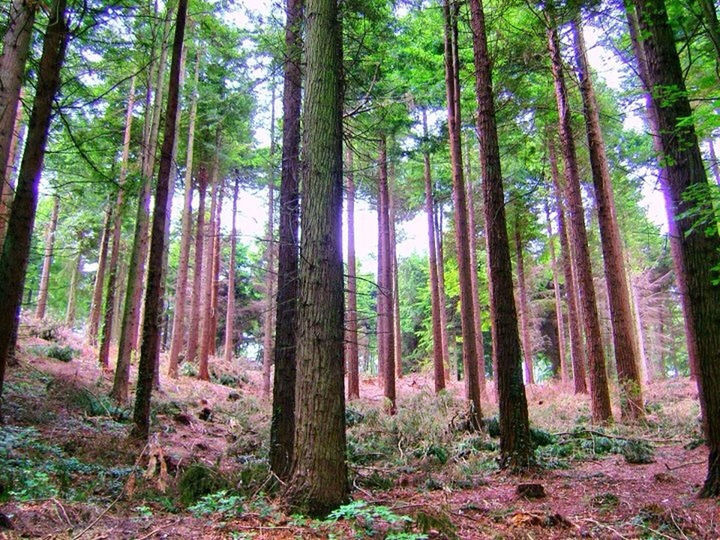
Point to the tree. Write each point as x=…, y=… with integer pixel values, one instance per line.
x=516, y=449
x=524, y=307
x=153, y=298
x=47, y=260
x=351, y=346
x=684, y=168
x=230, y=311
x=270, y=258
x=197, y=289
x=16, y=248
x=318, y=480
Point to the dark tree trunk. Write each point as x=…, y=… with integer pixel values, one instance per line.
x=624, y=339
x=47, y=260
x=516, y=449
x=524, y=307
x=600, y=395
x=577, y=351
x=318, y=481
x=351, y=348
x=435, y=304
x=467, y=316
x=282, y=429
x=685, y=169
x=150, y=348
x=16, y=249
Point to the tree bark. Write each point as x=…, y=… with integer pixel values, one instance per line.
x=523, y=308
x=270, y=258
x=558, y=301
x=7, y=185
x=212, y=332
x=435, y=304
x=351, y=348
x=397, y=333
x=516, y=449
x=230, y=311
x=16, y=249
x=197, y=288
x=685, y=169
x=467, y=319
x=624, y=339
x=150, y=348
x=600, y=395
x=443, y=300
x=96, y=302
x=47, y=260
x=72, y=292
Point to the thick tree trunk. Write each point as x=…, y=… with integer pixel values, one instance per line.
x=107, y=330
x=560, y=320
x=150, y=348
x=282, y=429
x=685, y=169
x=435, y=304
x=600, y=395
x=197, y=288
x=96, y=301
x=624, y=339
x=230, y=311
x=72, y=292
x=7, y=187
x=16, y=249
x=318, y=481
x=523, y=307
x=467, y=315
x=351, y=346
x=516, y=449
x=47, y=260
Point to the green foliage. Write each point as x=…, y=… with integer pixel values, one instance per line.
x=58, y=352
x=197, y=481
x=369, y=519
x=220, y=502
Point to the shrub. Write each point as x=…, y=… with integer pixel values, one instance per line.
x=198, y=481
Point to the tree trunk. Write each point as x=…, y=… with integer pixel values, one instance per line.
x=435, y=304
x=449, y=365
x=560, y=324
x=467, y=318
x=318, y=481
x=16, y=249
x=524, y=307
x=72, y=292
x=516, y=449
x=270, y=258
x=685, y=169
x=107, y=330
x=600, y=395
x=230, y=311
x=282, y=429
x=710, y=19
x=212, y=332
x=96, y=302
x=351, y=349
x=714, y=167
x=47, y=260
x=197, y=288
x=397, y=333
x=7, y=185
x=150, y=348
x=624, y=339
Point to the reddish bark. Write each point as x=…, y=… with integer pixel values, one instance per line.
x=523, y=305
x=47, y=260
x=96, y=302
x=560, y=320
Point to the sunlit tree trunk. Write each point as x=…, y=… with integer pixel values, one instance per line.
x=395, y=307
x=197, y=288
x=47, y=260
x=270, y=259
x=7, y=187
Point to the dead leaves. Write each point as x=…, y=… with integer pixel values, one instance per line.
x=157, y=468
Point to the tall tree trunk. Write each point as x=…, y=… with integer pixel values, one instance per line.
x=16, y=249
x=524, y=307
x=282, y=429
x=197, y=288
x=318, y=481
x=16, y=46
x=96, y=301
x=673, y=234
x=600, y=395
x=467, y=318
x=397, y=333
x=516, y=449
x=107, y=330
x=270, y=258
x=208, y=270
x=435, y=304
x=7, y=185
x=449, y=365
x=150, y=348
x=710, y=20
x=351, y=348
x=230, y=311
x=577, y=351
x=558, y=301
x=386, y=326
x=685, y=169
x=47, y=260
x=624, y=339
x=72, y=292
x=212, y=331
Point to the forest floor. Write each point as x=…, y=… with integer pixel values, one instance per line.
x=69, y=471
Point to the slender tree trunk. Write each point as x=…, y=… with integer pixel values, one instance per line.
x=397, y=333
x=351, y=352
x=710, y=19
x=449, y=365
x=467, y=319
x=624, y=339
x=197, y=288
x=714, y=167
x=72, y=292
x=516, y=449
x=282, y=429
x=47, y=260
x=16, y=249
x=523, y=308
x=230, y=311
x=150, y=348
x=7, y=185
x=270, y=257
x=435, y=304
x=96, y=302
x=577, y=351
x=558, y=301
x=104, y=354
x=685, y=169
x=212, y=330
x=318, y=481
x=600, y=395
